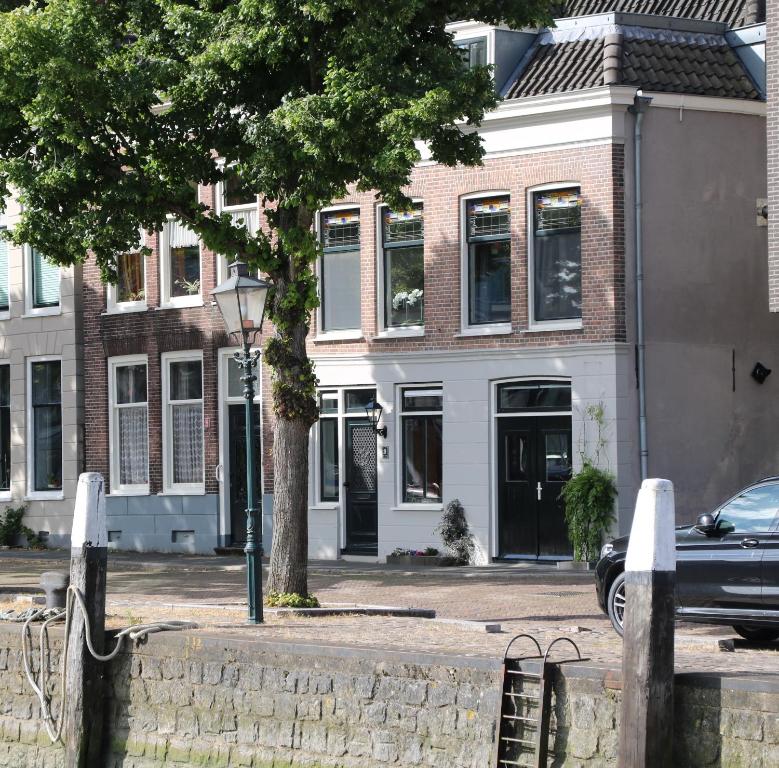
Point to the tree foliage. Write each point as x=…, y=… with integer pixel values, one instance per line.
x=113, y=109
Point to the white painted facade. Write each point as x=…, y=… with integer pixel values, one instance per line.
x=29, y=335
x=598, y=373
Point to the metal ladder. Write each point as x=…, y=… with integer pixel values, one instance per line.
x=526, y=706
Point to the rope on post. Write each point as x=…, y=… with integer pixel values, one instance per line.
x=135, y=632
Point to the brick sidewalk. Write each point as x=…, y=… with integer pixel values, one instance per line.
x=541, y=601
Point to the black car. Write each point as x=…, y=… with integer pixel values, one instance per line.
x=727, y=566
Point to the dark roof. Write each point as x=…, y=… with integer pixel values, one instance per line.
x=561, y=67
x=654, y=65
x=695, y=69
x=734, y=13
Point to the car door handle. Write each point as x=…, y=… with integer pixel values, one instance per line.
x=749, y=543
x=538, y=491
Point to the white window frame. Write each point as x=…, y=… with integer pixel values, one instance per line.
x=117, y=489
x=30, y=310
x=345, y=333
x=490, y=329
x=169, y=487
x=166, y=300
x=7, y=495
x=315, y=491
x=532, y=323
x=400, y=504
x=32, y=494
x=5, y=314
x=238, y=212
x=112, y=291
x=338, y=417
x=386, y=331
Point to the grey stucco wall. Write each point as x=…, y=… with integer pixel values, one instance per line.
x=705, y=296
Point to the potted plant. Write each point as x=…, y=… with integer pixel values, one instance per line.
x=589, y=498
x=427, y=556
x=455, y=533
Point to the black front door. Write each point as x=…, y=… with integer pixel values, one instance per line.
x=237, y=458
x=362, y=527
x=534, y=461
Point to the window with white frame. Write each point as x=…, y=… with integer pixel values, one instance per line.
x=45, y=419
x=329, y=470
x=488, y=236
x=4, y=293
x=44, y=281
x=421, y=427
x=5, y=427
x=556, y=261
x=183, y=432
x=473, y=52
x=180, y=265
x=340, y=270
x=402, y=235
x=335, y=407
x=129, y=425
x=239, y=202
x=130, y=290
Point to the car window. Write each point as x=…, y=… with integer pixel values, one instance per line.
x=750, y=512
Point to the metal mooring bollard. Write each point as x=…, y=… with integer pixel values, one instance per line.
x=55, y=585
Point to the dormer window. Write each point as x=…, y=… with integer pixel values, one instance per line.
x=473, y=51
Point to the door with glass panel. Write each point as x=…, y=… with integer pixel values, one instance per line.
x=236, y=454
x=238, y=490
x=534, y=448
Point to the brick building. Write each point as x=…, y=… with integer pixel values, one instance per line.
x=492, y=320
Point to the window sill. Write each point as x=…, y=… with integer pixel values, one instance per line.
x=125, y=494
x=347, y=335
x=6, y=496
x=5, y=314
x=125, y=307
x=497, y=329
x=45, y=496
x=181, y=302
x=417, y=508
x=43, y=312
x=324, y=507
x=554, y=325
x=415, y=331
x=183, y=492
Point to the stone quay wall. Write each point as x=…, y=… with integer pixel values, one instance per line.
x=206, y=700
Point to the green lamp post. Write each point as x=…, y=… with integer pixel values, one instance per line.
x=241, y=301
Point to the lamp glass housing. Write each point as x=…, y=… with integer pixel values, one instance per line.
x=241, y=300
x=373, y=412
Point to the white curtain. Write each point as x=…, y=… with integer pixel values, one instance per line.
x=133, y=446
x=188, y=443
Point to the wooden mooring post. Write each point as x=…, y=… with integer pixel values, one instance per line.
x=88, y=563
x=646, y=731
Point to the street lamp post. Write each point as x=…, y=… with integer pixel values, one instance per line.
x=241, y=301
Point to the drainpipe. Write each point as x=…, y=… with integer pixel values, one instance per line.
x=639, y=107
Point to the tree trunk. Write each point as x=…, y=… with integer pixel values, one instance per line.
x=294, y=403
x=288, y=571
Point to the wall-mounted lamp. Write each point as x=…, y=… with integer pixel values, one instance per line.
x=760, y=373
x=373, y=412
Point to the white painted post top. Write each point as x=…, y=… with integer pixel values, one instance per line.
x=652, y=545
x=89, y=523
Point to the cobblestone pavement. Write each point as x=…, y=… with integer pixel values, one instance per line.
x=542, y=601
